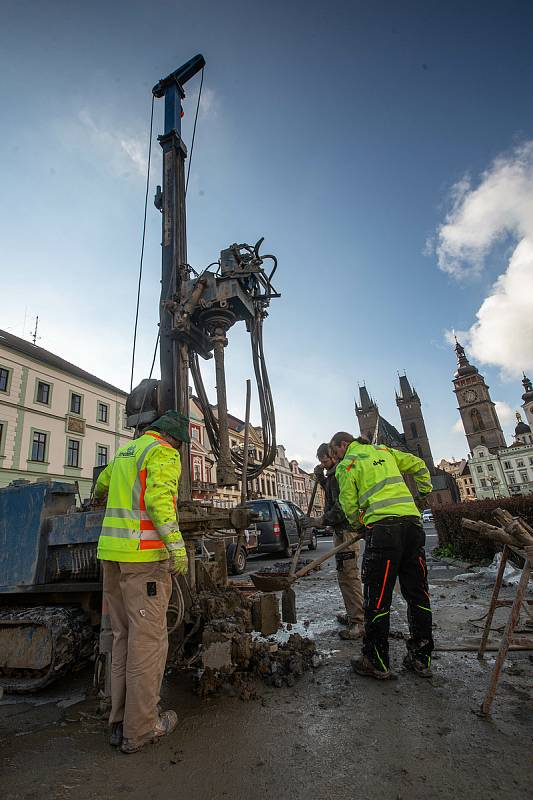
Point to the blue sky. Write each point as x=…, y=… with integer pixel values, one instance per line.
x=383, y=149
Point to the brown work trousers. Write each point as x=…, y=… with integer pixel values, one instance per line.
x=349, y=579
x=137, y=597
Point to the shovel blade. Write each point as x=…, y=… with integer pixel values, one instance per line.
x=270, y=583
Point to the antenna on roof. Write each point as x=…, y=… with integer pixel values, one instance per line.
x=34, y=334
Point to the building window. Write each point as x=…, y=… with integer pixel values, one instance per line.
x=531, y=461
x=195, y=432
x=75, y=403
x=38, y=446
x=507, y=465
x=477, y=422
x=1, y=437
x=4, y=379
x=102, y=412
x=414, y=432
x=479, y=469
x=490, y=468
x=43, y=392
x=523, y=475
x=520, y=463
x=73, y=453
x=483, y=482
x=102, y=455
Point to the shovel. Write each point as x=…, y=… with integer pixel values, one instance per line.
x=277, y=583
x=288, y=598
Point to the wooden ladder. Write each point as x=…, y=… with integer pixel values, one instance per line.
x=516, y=605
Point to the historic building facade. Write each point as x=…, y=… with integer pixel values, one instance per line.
x=496, y=470
x=460, y=472
x=203, y=478
x=57, y=421
x=284, y=478
x=465, y=483
x=504, y=473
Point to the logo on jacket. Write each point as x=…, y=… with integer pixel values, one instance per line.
x=379, y=462
x=129, y=452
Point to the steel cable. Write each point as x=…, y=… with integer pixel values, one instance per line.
x=142, y=243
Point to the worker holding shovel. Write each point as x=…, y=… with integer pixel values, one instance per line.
x=347, y=567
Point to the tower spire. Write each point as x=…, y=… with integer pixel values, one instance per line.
x=464, y=367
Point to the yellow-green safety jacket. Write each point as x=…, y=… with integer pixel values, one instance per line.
x=141, y=484
x=371, y=486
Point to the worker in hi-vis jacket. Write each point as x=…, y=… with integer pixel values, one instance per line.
x=140, y=546
x=373, y=493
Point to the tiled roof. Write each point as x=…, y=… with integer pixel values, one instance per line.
x=46, y=357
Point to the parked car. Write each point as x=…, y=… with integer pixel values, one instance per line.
x=279, y=526
x=427, y=515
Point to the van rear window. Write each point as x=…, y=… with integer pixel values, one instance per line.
x=262, y=508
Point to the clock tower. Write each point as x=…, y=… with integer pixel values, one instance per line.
x=477, y=410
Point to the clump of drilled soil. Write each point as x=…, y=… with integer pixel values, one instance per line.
x=275, y=664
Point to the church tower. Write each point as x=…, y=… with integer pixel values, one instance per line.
x=414, y=428
x=367, y=413
x=477, y=410
x=527, y=397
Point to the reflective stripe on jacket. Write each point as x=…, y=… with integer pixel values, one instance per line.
x=141, y=484
x=371, y=484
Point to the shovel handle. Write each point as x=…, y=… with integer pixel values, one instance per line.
x=355, y=537
x=302, y=532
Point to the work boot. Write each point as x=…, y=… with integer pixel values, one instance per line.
x=352, y=633
x=116, y=735
x=363, y=666
x=343, y=618
x=419, y=665
x=166, y=724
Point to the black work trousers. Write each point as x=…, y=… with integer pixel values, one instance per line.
x=394, y=548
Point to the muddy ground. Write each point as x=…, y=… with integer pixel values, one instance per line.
x=334, y=735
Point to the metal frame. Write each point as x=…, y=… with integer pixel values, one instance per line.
x=508, y=638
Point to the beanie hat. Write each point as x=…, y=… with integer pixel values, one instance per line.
x=173, y=423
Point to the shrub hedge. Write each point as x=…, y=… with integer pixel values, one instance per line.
x=466, y=544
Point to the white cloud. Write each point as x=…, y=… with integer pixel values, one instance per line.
x=457, y=427
x=122, y=151
x=481, y=216
x=209, y=105
x=504, y=411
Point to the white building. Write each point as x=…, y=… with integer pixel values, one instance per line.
x=284, y=480
x=507, y=471
x=57, y=421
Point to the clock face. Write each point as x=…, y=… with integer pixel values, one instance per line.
x=470, y=395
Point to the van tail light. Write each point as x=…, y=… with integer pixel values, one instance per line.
x=277, y=529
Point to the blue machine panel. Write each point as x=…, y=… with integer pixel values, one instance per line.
x=25, y=513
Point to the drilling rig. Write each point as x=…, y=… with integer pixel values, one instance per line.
x=50, y=587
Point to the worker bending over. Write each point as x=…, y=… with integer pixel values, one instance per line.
x=347, y=567
x=140, y=547
x=373, y=491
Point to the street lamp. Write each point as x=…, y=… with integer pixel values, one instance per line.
x=494, y=482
